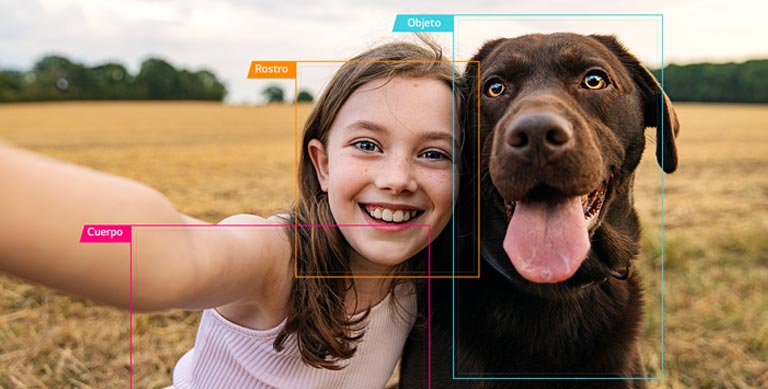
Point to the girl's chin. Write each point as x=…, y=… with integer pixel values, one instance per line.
x=374, y=252
x=375, y=264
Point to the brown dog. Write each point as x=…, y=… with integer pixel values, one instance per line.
x=561, y=120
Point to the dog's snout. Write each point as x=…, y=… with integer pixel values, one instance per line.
x=539, y=137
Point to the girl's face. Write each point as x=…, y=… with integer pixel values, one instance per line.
x=386, y=165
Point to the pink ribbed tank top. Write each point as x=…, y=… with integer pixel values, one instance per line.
x=227, y=355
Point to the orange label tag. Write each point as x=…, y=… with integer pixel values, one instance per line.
x=272, y=69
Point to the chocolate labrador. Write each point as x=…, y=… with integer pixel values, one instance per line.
x=561, y=121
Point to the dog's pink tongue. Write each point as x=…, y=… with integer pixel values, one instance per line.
x=547, y=242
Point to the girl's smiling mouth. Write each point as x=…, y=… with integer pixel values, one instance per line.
x=390, y=213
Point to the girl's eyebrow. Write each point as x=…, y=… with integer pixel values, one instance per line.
x=366, y=125
x=425, y=135
x=441, y=136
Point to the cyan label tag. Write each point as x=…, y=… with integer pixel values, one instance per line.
x=423, y=23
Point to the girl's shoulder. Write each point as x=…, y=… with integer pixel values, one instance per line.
x=268, y=235
x=267, y=242
x=250, y=220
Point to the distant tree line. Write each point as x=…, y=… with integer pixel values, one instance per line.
x=57, y=78
x=745, y=82
x=275, y=94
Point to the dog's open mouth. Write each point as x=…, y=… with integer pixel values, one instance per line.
x=547, y=237
x=591, y=203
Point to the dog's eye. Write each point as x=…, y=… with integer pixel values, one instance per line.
x=494, y=88
x=595, y=80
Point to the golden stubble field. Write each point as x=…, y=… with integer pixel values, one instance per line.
x=213, y=160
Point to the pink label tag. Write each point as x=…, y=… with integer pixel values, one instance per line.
x=101, y=233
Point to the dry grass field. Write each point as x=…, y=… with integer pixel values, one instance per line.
x=213, y=161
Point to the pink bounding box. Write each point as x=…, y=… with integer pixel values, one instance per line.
x=106, y=233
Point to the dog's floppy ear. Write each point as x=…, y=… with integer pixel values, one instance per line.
x=656, y=104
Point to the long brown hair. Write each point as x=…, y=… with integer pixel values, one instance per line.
x=325, y=333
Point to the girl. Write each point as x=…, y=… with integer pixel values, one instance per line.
x=377, y=157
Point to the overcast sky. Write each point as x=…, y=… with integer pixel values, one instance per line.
x=226, y=35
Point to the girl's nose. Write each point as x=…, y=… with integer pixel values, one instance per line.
x=397, y=176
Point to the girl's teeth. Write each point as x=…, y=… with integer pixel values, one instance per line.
x=389, y=215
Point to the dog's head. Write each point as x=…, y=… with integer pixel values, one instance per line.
x=562, y=121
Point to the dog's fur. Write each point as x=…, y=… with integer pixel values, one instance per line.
x=587, y=325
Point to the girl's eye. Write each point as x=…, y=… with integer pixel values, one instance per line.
x=435, y=155
x=595, y=80
x=366, y=145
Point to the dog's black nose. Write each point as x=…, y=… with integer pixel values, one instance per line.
x=539, y=137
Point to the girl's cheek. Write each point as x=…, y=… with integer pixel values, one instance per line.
x=440, y=183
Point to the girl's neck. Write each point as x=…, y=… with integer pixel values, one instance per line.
x=367, y=292
x=361, y=266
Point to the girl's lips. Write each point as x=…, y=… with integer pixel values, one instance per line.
x=403, y=207
x=381, y=223
x=390, y=213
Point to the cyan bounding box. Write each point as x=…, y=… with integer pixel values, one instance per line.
x=423, y=23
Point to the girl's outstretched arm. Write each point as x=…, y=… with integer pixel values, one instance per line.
x=43, y=208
